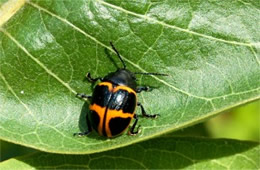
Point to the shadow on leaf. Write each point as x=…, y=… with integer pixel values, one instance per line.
x=158, y=153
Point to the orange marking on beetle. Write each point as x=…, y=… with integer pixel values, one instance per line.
x=113, y=114
x=128, y=89
x=108, y=84
x=101, y=113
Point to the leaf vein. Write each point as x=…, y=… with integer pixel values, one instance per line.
x=248, y=159
x=109, y=48
x=174, y=27
x=255, y=55
x=236, y=94
x=16, y=96
x=219, y=163
x=223, y=75
x=135, y=65
x=38, y=62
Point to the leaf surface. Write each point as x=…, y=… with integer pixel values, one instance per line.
x=209, y=49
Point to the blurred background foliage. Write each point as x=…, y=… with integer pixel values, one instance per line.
x=242, y=123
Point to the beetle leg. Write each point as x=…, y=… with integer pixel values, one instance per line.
x=131, y=131
x=91, y=79
x=83, y=96
x=82, y=133
x=86, y=132
x=143, y=88
x=144, y=112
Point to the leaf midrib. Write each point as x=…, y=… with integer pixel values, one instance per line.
x=9, y=9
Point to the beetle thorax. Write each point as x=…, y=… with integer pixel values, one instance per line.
x=122, y=77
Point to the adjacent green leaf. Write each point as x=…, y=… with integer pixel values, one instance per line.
x=209, y=49
x=9, y=150
x=2, y=1
x=240, y=123
x=160, y=153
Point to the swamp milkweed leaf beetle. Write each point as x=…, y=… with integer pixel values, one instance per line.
x=114, y=101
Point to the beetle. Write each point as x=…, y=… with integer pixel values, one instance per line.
x=114, y=101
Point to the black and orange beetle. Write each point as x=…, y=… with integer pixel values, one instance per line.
x=114, y=101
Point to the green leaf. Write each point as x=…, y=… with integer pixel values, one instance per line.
x=209, y=49
x=159, y=153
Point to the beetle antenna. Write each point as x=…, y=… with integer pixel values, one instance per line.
x=118, y=54
x=157, y=74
